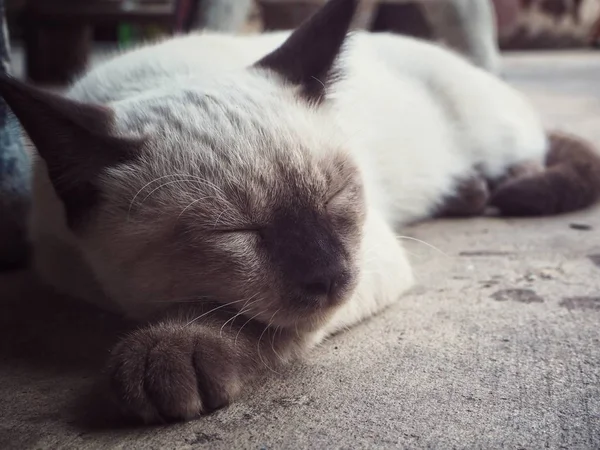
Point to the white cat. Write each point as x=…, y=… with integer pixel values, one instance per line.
x=245, y=191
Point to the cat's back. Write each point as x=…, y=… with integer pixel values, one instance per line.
x=180, y=61
x=393, y=90
x=489, y=120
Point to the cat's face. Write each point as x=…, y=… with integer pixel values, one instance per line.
x=247, y=200
x=235, y=190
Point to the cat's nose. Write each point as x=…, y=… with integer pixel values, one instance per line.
x=325, y=283
x=319, y=286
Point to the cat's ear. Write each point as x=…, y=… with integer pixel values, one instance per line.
x=73, y=138
x=308, y=56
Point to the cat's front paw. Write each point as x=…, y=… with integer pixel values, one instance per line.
x=172, y=372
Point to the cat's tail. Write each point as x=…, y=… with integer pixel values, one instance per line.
x=569, y=182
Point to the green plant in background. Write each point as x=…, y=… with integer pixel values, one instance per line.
x=130, y=34
x=126, y=33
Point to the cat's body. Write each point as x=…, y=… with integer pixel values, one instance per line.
x=417, y=118
x=256, y=202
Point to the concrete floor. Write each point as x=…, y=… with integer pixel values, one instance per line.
x=497, y=347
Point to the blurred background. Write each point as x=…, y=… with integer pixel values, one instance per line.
x=53, y=39
x=49, y=42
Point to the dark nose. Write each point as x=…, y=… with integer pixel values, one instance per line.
x=319, y=286
x=325, y=283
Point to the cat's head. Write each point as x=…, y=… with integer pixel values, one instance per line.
x=240, y=193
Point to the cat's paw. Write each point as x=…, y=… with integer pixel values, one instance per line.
x=172, y=372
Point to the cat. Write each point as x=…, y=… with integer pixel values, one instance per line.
x=241, y=194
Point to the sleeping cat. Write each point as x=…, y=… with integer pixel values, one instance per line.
x=240, y=194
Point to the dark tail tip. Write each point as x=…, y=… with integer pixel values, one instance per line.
x=570, y=181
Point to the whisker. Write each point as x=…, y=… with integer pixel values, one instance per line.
x=425, y=243
x=183, y=178
x=319, y=81
x=220, y=215
x=259, y=340
x=190, y=205
x=273, y=343
x=146, y=185
x=246, y=323
x=208, y=183
x=212, y=310
x=160, y=187
x=231, y=319
x=242, y=311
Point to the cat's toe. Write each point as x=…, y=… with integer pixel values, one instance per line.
x=153, y=375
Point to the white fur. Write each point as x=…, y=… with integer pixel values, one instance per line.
x=415, y=116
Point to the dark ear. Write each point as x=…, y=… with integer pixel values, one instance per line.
x=308, y=56
x=73, y=138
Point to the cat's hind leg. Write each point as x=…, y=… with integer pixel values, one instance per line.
x=570, y=181
x=470, y=198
